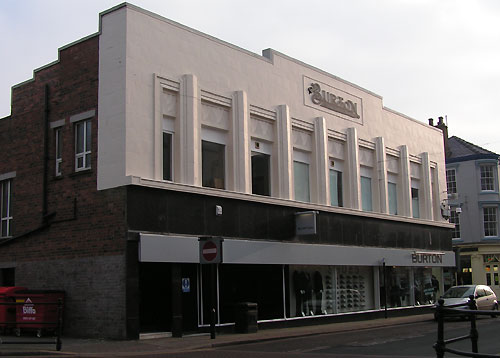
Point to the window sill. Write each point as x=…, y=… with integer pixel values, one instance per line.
x=491, y=238
x=81, y=172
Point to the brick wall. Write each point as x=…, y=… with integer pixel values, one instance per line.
x=80, y=245
x=94, y=286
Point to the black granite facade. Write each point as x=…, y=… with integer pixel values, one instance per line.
x=172, y=212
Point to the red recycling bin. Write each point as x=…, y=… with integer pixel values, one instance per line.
x=7, y=311
x=37, y=310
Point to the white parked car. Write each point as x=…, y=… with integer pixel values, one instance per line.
x=484, y=295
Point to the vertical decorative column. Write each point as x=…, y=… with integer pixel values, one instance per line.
x=405, y=181
x=426, y=187
x=189, y=131
x=321, y=190
x=284, y=148
x=353, y=169
x=382, y=174
x=240, y=142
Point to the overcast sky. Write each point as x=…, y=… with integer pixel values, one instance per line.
x=426, y=58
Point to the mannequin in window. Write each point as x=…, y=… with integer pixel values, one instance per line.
x=308, y=304
x=318, y=292
x=299, y=285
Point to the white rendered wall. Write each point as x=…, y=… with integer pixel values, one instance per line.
x=159, y=47
x=111, y=165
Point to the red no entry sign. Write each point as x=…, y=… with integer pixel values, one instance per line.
x=210, y=250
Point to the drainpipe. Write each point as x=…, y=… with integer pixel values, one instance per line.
x=45, y=154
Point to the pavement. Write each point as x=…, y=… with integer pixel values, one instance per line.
x=77, y=347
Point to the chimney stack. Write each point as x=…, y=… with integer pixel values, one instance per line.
x=444, y=128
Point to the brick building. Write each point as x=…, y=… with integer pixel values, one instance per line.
x=62, y=232
x=146, y=136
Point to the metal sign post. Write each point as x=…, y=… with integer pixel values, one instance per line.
x=211, y=253
x=385, y=288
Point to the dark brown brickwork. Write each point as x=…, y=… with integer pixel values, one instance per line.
x=79, y=245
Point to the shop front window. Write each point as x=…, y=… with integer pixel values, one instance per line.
x=321, y=290
x=465, y=276
x=426, y=286
x=491, y=275
x=354, y=289
x=260, y=284
x=395, y=287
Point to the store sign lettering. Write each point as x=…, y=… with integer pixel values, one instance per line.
x=426, y=258
x=333, y=102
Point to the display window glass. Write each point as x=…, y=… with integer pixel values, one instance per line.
x=354, y=289
x=426, y=286
x=260, y=284
x=321, y=290
x=395, y=287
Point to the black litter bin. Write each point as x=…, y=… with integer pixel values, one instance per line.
x=246, y=317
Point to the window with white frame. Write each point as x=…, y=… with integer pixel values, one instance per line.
x=301, y=176
x=261, y=174
x=58, y=139
x=455, y=219
x=366, y=188
x=83, y=142
x=167, y=155
x=415, y=173
x=393, y=163
x=451, y=181
x=435, y=201
x=487, y=177
x=366, y=194
x=168, y=103
x=415, y=202
x=213, y=164
x=261, y=167
x=5, y=207
x=490, y=221
x=336, y=187
x=392, y=196
x=301, y=181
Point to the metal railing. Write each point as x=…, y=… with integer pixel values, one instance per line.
x=56, y=326
x=470, y=310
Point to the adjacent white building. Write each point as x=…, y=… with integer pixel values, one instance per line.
x=473, y=194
